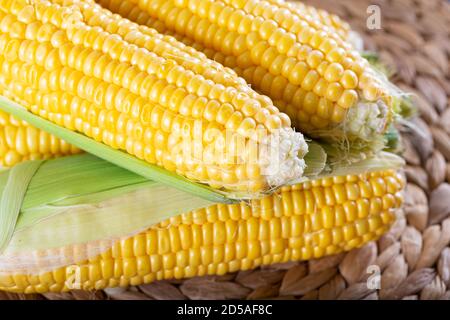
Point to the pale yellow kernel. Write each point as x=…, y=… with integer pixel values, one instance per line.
x=372, y=92
x=349, y=79
x=321, y=87
x=334, y=91
x=310, y=103
x=314, y=59
x=310, y=80
x=334, y=72
x=298, y=73
x=339, y=114
x=336, y=55
x=348, y=99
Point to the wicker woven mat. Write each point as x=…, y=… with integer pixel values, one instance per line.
x=414, y=257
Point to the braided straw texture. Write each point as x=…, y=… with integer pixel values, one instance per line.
x=414, y=257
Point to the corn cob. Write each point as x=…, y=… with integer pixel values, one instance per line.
x=290, y=54
x=144, y=95
x=20, y=142
x=305, y=221
x=316, y=16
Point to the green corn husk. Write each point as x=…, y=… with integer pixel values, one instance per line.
x=81, y=198
x=13, y=186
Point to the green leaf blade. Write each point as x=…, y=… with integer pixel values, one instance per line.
x=12, y=197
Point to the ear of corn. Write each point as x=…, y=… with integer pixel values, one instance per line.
x=76, y=73
x=305, y=221
x=72, y=199
x=297, y=57
x=320, y=18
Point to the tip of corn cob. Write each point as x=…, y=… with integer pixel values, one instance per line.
x=282, y=156
x=367, y=119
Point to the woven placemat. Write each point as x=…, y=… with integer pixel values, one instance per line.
x=414, y=257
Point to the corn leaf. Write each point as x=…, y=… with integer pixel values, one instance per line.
x=79, y=199
x=382, y=161
x=113, y=218
x=16, y=183
x=60, y=178
x=316, y=158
